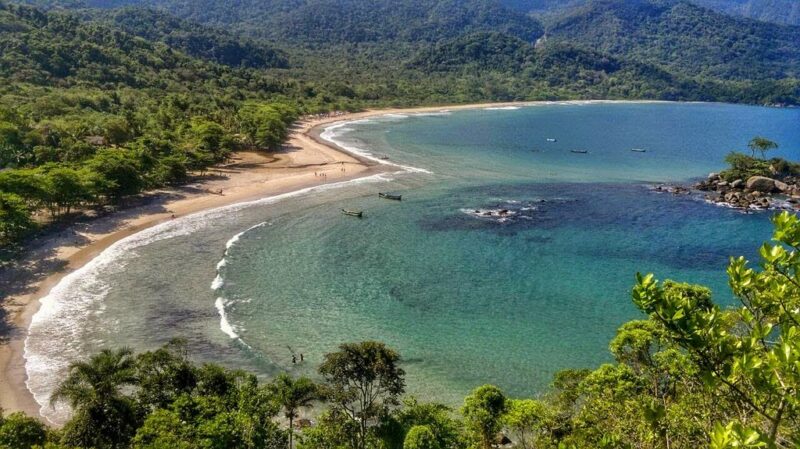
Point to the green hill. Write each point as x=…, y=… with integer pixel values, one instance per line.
x=340, y=21
x=684, y=38
x=204, y=42
x=786, y=12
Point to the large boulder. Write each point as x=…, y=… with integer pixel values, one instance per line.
x=761, y=184
x=783, y=187
x=737, y=184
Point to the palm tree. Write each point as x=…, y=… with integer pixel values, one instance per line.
x=761, y=145
x=293, y=394
x=104, y=415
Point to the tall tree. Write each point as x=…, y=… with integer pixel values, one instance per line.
x=292, y=395
x=483, y=411
x=15, y=218
x=363, y=380
x=164, y=375
x=528, y=420
x=420, y=437
x=762, y=145
x=104, y=416
x=750, y=353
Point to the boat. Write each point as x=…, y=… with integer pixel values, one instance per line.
x=383, y=158
x=353, y=213
x=389, y=196
x=551, y=140
x=579, y=151
x=639, y=150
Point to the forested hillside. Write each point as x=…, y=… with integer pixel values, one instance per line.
x=90, y=114
x=675, y=35
x=786, y=12
x=165, y=95
x=203, y=42
x=683, y=38
x=338, y=21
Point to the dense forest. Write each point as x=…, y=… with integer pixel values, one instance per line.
x=684, y=38
x=689, y=374
x=783, y=12
x=99, y=104
x=90, y=115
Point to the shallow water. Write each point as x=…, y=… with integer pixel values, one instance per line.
x=466, y=298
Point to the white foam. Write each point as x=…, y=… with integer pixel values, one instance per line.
x=502, y=108
x=224, y=324
x=55, y=334
x=433, y=114
x=337, y=130
x=218, y=282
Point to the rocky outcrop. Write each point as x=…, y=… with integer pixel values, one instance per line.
x=757, y=192
x=760, y=184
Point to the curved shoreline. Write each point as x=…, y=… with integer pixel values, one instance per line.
x=293, y=169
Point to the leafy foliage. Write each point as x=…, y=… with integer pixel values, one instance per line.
x=363, y=381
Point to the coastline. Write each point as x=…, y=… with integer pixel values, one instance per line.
x=250, y=177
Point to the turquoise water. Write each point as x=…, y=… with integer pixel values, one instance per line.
x=467, y=299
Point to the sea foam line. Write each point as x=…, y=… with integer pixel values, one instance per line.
x=336, y=130
x=60, y=318
x=330, y=133
x=221, y=303
x=55, y=335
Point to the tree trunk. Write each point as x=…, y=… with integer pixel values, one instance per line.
x=291, y=432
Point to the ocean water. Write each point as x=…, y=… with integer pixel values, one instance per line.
x=467, y=298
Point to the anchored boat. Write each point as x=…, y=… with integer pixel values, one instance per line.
x=353, y=213
x=639, y=150
x=389, y=196
x=579, y=151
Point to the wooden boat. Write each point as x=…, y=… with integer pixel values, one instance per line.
x=551, y=140
x=389, y=196
x=353, y=213
x=579, y=151
x=639, y=150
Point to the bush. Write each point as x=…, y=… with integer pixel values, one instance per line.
x=21, y=432
x=420, y=437
x=743, y=166
x=15, y=218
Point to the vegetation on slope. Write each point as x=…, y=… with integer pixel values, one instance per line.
x=90, y=115
x=684, y=38
x=784, y=12
x=195, y=40
x=340, y=21
x=370, y=50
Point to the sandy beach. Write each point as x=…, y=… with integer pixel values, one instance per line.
x=247, y=176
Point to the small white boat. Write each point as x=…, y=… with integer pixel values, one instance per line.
x=638, y=150
x=552, y=140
